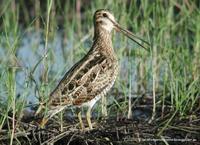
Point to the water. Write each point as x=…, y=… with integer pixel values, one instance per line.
x=61, y=57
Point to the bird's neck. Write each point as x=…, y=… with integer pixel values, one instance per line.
x=102, y=39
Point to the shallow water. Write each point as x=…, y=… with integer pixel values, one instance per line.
x=62, y=56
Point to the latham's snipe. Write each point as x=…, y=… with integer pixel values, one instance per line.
x=94, y=75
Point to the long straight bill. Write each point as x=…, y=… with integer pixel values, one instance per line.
x=131, y=35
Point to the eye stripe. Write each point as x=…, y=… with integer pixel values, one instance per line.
x=98, y=16
x=100, y=22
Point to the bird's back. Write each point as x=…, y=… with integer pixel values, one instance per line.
x=92, y=76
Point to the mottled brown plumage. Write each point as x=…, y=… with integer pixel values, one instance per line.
x=90, y=77
x=93, y=76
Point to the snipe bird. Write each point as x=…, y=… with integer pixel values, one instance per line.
x=94, y=75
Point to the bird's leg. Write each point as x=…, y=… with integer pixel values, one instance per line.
x=80, y=120
x=88, y=117
x=104, y=106
x=43, y=122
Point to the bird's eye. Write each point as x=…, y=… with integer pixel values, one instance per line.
x=100, y=22
x=105, y=15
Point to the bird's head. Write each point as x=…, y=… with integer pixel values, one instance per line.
x=105, y=20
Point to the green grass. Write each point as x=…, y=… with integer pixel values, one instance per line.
x=172, y=68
